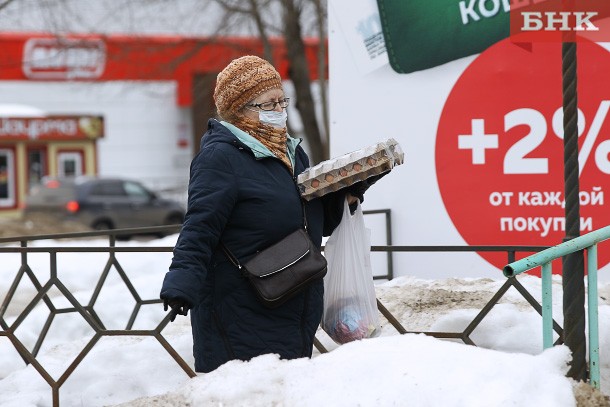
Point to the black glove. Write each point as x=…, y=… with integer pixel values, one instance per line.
x=360, y=187
x=177, y=305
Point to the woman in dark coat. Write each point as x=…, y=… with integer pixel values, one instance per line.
x=243, y=192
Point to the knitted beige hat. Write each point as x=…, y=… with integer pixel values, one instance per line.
x=241, y=81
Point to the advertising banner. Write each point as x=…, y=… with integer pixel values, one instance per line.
x=424, y=34
x=479, y=116
x=499, y=146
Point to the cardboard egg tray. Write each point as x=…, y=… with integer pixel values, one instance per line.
x=343, y=171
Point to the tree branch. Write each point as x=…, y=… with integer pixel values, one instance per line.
x=232, y=8
x=262, y=32
x=322, y=68
x=6, y=3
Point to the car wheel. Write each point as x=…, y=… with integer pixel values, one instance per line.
x=173, y=219
x=107, y=225
x=101, y=225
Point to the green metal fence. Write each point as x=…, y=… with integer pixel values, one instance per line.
x=544, y=259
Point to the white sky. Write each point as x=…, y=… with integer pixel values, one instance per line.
x=508, y=368
x=151, y=17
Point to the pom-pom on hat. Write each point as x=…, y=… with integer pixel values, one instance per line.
x=241, y=81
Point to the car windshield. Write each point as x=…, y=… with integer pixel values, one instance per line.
x=107, y=188
x=136, y=190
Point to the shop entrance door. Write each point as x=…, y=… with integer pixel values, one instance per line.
x=37, y=166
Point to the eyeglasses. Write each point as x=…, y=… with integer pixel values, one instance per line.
x=268, y=106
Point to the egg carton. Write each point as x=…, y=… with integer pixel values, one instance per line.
x=343, y=171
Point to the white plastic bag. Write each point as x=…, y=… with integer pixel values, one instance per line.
x=350, y=304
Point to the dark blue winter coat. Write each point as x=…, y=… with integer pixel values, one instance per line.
x=249, y=203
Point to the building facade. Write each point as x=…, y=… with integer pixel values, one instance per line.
x=112, y=105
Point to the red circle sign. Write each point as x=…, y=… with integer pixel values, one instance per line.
x=499, y=147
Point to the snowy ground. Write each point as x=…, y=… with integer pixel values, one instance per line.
x=508, y=368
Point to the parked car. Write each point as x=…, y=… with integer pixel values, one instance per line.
x=102, y=203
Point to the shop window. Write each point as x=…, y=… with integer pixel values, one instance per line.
x=70, y=164
x=7, y=179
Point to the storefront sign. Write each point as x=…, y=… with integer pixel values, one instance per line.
x=125, y=58
x=62, y=58
x=52, y=128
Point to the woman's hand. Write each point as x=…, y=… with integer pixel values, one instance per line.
x=357, y=190
x=178, y=307
x=351, y=199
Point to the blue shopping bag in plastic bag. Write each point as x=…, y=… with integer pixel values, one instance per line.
x=350, y=305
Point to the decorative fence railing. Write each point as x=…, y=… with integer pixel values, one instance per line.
x=89, y=314
x=544, y=260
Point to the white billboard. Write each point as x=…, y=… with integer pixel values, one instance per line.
x=463, y=127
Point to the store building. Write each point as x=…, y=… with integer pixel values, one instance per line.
x=31, y=148
x=111, y=105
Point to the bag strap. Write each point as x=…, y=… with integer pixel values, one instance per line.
x=304, y=216
x=230, y=256
x=301, y=200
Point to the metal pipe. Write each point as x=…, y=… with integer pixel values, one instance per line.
x=555, y=252
x=544, y=259
x=547, y=305
x=594, y=378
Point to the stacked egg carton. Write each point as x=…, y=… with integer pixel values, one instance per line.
x=334, y=174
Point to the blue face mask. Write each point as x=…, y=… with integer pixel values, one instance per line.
x=273, y=118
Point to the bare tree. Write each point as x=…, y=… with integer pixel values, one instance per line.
x=299, y=74
x=321, y=19
x=285, y=20
x=253, y=11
